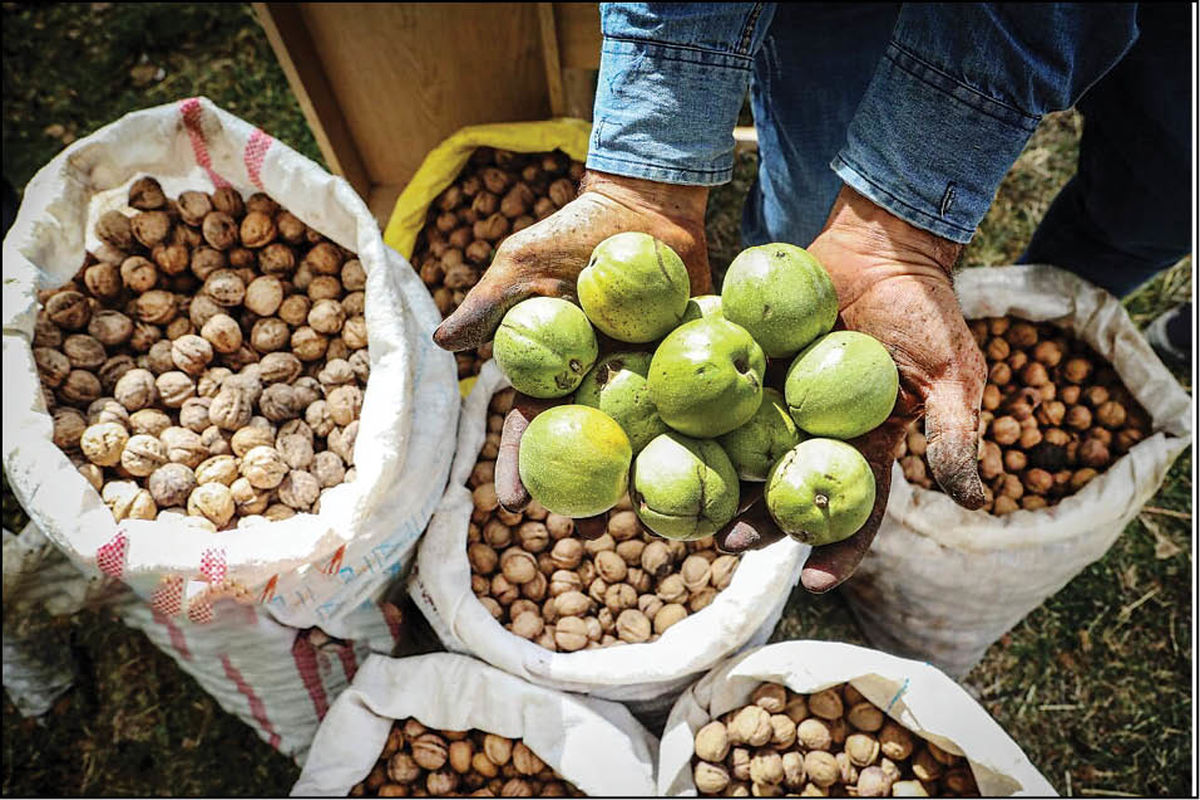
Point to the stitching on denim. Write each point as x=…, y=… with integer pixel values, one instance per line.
x=860, y=173
x=674, y=46
x=747, y=36
x=682, y=170
x=665, y=56
x=980, y=106
x=947, y=198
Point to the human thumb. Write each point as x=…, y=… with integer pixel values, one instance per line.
x=952, y=438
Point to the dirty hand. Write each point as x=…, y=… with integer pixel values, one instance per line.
x=893, y=282
x=546, y=258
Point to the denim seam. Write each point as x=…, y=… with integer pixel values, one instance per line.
x=637, y=163
x=882, y=190
x=933, y=77
x=747, y=37
x=745, y=61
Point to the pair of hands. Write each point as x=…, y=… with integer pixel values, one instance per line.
x=893, y=282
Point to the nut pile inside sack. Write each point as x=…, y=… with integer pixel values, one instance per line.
x=419, y=762
x=545, y=583
x=1054, y=416
x=209, y=359
x=833, y=743
x=498, y=193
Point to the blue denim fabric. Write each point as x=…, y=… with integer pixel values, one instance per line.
x=671, y=84
x=951, y=102
x=958, y=93
x=809, y=76
x=1127, y=213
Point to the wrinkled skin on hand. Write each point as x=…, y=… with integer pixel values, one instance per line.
x=547, y=257
x=893, y=282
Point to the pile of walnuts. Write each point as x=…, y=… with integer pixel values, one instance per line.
x=833, y=743
x=498, y=193
x=567, y=593
x=208, y=360
x=418, y=762
x=1054, y=416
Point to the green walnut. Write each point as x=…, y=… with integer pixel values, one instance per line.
x=635, y=288
x=574, y=460
x=782, y=295
x=702, y=305
x=821, y=491
x=842, y=385
x=545, y=345
x=617, y=386
x=684, y=488
x=756, y=446
x=706, y=377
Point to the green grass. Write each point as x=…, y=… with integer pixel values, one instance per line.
x=70, y=69
x=1094, y=685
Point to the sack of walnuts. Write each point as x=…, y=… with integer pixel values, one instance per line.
x=828, y=719
x=474, y=190
x=442, y=724
x=942, y=583
x=174, y=170
x=444, y=163
x=629, y=617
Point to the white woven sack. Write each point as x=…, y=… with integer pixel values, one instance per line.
x=648, y=676
x=942, y=583
x=278, y=680
x=596, y=745
x=311, y=569
x=915, y=695
x=273, y=677
x=39, y=582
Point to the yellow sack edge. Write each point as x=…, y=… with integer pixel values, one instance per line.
x=444, y=162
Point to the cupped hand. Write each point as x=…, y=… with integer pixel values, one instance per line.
x=547, y=257
x=894, y=282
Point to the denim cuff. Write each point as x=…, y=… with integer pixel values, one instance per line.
x=929, y=148
x=666, y=112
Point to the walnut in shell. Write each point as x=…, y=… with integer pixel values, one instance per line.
x=213, y=501
x=225, y=287
x=110, y=328
x=231, y=409
x=263, y=467
x=69, y=310
x=174, y=388
x=103, y=443
x=143, y=454
x=79, y=388
x=184, y=446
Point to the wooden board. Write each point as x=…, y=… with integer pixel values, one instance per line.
x=382, y=84
x=387, y=82
x=578, y=34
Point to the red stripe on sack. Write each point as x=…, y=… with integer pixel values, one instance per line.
x=200, y=609
x=349, y=660
x=212, y=564
x=256, y=705
x=168, y=596
x=305, y=656
x=176, y=635
x=192, y=113
x=335, y=562
x=256, y=151
x=110, y=556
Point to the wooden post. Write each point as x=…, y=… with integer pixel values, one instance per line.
x=297, y=56
x=554, y=75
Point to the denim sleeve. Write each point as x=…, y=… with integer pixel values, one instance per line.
x=959, y=91
x=672, y=80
